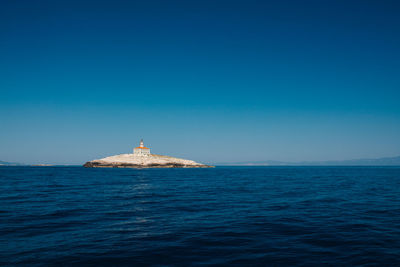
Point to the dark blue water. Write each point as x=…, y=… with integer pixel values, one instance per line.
x=229, y=215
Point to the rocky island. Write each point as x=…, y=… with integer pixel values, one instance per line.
x=142, y=158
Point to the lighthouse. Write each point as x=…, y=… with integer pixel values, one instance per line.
x=141, y=150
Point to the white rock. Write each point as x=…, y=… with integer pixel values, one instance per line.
x=150, y=161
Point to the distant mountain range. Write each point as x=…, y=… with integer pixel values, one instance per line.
x=389, y=161
x=5, y=163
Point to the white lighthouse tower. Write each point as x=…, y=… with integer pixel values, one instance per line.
x=141, y=150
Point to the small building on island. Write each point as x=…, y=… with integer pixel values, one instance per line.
x=141, y=150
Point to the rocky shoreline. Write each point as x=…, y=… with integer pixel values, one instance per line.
x=140, y=162
x=137, y=166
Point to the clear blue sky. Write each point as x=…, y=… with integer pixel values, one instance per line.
x=212, y=81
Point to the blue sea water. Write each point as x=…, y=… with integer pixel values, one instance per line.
x=243, y=216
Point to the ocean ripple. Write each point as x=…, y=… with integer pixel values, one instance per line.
x=292, y=216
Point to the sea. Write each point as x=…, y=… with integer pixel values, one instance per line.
x=223, y=216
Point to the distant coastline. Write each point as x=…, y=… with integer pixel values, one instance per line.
x=387, y=161
x=5, y=163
